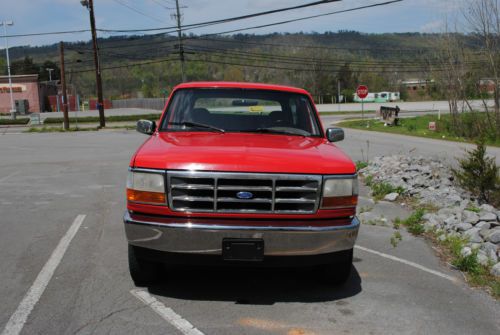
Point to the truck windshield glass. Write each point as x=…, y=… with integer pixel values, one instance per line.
x=238, y=110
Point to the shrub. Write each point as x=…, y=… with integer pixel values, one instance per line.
x=361, y=165
x=478, y=174
x=414, y=222
x=381, y=189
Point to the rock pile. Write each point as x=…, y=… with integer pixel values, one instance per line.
x=430, y=182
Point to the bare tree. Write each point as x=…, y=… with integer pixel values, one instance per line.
x=483, y=17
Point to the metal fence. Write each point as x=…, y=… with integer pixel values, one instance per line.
x=145, y=103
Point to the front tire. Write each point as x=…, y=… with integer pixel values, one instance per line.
x=339, y=271
x=143, y=272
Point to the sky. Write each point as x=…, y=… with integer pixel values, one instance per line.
x=35, y=16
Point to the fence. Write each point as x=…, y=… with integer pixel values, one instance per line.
x=144, y=103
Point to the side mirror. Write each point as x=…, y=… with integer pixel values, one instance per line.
x=335, y=134
x=146, y=127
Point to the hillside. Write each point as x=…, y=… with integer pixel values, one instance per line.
x=146, y=65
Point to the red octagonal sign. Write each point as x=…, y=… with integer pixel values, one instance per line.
x=362, y=91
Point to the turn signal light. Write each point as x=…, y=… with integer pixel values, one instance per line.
x=146, y=188
x=340, y=202
x=146, y=197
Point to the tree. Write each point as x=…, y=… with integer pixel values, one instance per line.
x=24, y=66
x=483, y=17
x=346, y=77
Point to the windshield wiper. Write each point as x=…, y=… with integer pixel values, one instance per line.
x=295, y=132
x=199, y=125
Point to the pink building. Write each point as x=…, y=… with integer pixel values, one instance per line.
x=26, y=87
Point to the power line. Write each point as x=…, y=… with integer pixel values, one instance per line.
x=120, y=2
x=127, y=65
x=304, y=18
x=200, y=25
x=231, y=19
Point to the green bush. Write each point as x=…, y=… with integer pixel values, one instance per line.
x=381, y=189
x=23, y=120
x=414, y=222
x=478, y=174
x=361, y=165
x=113, y=118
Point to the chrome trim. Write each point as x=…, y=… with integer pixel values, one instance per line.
x=207, y=239
x=354, y=225
x=136, y=169
x=271, y=177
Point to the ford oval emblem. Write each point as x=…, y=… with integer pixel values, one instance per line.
x=244, y=195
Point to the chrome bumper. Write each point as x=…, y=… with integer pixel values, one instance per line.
x=206, y=239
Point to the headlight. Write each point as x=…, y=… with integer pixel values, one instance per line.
x=146, y=188
x=340, y=192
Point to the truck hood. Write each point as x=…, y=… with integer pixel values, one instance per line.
x=242, y=152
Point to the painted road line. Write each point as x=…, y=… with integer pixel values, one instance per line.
x=409, y=263
x=18, y=319
x=166, y=313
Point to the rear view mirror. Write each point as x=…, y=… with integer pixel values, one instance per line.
x=244, y=103
x=146, y=127
x=335, y=134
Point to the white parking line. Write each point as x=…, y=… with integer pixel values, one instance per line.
x=166, y=313
x=18, y=319
x=409, y=263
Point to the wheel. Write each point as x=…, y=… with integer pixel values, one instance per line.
x=142, y=272
x=337, y=272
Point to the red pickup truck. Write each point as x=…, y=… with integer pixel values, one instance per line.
x=240, y=174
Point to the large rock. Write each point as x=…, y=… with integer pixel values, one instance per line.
x=483, y=225
x=391, y=196
x=466, y=251
x=464, y=226
x=470, y=217
x=473, y=235
x=482, y=259
x=486, y=208
x=494, y=236
x=488, y=217
x=495, y=270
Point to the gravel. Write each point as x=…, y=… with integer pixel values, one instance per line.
x=459, y=213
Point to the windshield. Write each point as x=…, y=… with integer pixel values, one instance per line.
x=241, y=110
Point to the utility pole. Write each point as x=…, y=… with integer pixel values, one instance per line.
x=12, y=106
x=100, y=101
x=63, y=84
x=179, y=35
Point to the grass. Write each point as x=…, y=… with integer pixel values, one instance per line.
x=416, y=126
x=58, y=129
x=414, y=222
x=477, y=274
x=361, y=165
x=23, y=120
x=347, y=112
x=73, y=129
x=112, y=118
x=381, y=189
x=396, y=238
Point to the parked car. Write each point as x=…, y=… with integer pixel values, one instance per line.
x=240, y=174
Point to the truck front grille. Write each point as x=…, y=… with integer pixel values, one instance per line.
x=221, y=192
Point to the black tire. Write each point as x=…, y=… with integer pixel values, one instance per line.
x=143, y=272
x=339, y=271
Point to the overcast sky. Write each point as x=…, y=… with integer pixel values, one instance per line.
x=31, y=16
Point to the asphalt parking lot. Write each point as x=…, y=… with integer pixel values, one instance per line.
x=63, y=267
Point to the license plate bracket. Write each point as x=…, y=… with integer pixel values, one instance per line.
x=239, y=249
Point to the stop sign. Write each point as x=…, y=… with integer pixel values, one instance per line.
x=362, y=91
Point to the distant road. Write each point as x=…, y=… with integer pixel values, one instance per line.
x=414, y=107
x=405, y=106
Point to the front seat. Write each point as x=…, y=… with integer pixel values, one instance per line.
x=200, y=115
x=279, y=119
